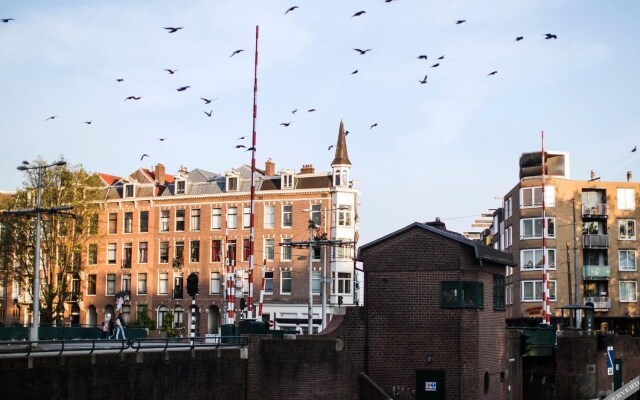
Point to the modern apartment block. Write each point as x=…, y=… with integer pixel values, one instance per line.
x=590, y=243
x=158, y=228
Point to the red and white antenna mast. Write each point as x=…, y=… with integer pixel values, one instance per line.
x=252, y=208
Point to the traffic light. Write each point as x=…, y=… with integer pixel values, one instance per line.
x=339, y=301
x=192, y=284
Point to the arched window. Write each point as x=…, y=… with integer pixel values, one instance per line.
x=162, y=313
x=336, y=178
x=344, y=177
x=178, y=312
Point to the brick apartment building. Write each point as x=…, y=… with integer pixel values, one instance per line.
x=435, y=314
x=158, y=228
x=591, y=244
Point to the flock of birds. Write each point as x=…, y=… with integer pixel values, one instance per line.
x=362, y=52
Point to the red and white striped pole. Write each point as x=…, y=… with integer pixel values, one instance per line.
x=253, y=182
x=546, y=307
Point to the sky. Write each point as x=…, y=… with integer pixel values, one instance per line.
x=448, y=148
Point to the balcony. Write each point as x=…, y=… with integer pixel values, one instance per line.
x=596, y=272
x=177, y=293
x=595, y=210
x=126, y=263
x=595, y=241
x=600, y=303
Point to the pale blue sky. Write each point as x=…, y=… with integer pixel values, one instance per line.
x=447, y=148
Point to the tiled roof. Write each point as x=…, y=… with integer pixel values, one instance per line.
x=109, y=180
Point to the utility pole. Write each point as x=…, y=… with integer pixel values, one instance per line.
x=310, y=305
x=569, y=283
x=575, y=263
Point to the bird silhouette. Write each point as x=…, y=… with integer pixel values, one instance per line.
x=251, y=149
x=119, y=80
x=172, y=29
x=388, y=1
x=291, y=9
x=171, y=71
x=207, y=101
x=422, y=57
x=5, y=20
x=161, y=139
x=87, y=122
x=133, y=98
x=240, y=138
x=441, y=57
x=330, y=147
x=182, y=88
x=492, y=73
x=294, y=111
x=240, y=146
x=51, y=117
x=634, y=149
x=460, y=21
x=424, y=80
x=346, y=133
x=519, y=38
x=354, y=72
x=435, y=65
x=359, y=13
x=373, y=126
x=236, y=52
x=208, y=113
x=143, y=156
x=550, y=36
x=311, y=110
x=362, y=51
x=285, y=123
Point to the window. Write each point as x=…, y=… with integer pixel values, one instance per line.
x=142, y=283
x=531, y=228
x=285, y=282
x=343, y=283
x=111, y=253
x=91, y=284
x=143, y=252
x=344, y=216
x=269, y=216
x=315, y=282
x=111, y=285
x=508, y=237
x=126, y=282
x=178, y=313
x=509, y=294
x=268, y=282
x=163, y=283
x=317, y=251
x=126, y=255
x=128, y=222
x=316, y=214
x=287, y=180
x=286, y=250
x=532, y=290
x=113, y=223
x=179, y=220
x=231, y=251
x=462, y=295
x=164, y=252
x=246, y=249
x=180, y=186
x=178, y=251
x=195, y=251
x=216, y=246
x=214, y=285
x=628, y=291
x=498, y=292
x=627, y=229
x=126, y=313
x=627, y=260
x=195, y=219
x=626, y=199
x=269, y=249
x=164, y=221
x=232, y=217
x=532, y=196
x=128, y=190
x=507, y=210
x=162, y=315
x=216, y=218
x=232, y=183
x=246, y=217
x=287, y=216
x=343, y=251
x=92, y=254
x=593, y=228
x=532, y=259
x=144, y=221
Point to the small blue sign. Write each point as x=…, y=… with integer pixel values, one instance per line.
x=430, y=387
x=609, y=360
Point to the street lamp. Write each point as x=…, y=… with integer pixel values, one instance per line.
x=33, y=332
x=312, y=226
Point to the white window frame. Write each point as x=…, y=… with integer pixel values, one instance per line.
x=508, y=297
x=232, y=217
x=232, y=183
x=127, y=222
x=160, y=248
x=191, y=251
x=287, y=216
x=215, y=282
x=286, y=253
x=125, y=283
x=216, y=218
x=142, y=277
x=629, y=295
x=316, y=287
x=163, y=283
x=269, y=216
x=178, y=317
x=194, y=224
x=621, y=225
x=161, y=313
x=507, y=210
x=536, y=196
x=524, y=221
x=269, y=249
x=112, y=248
x=246, y=216
x=342, y=284
x=286, y=180
x=625, y=260
x=537, y=290
x=110, y=290
x=286, y=275
x=536, y=255
x=268, y=277
x=626, y=199
x=128, y=190
x=344, y=216
x=181, y=186
x=165, y=220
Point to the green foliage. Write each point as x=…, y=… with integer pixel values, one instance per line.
x=143, y=320
x=167, y=325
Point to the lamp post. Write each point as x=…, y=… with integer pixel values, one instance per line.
x=312, y=226
x=33, y=332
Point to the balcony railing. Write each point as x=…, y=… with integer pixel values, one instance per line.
x=596, y=272
x=126, y=263
x=595, y=210
x=600, y=303
x=595, y=241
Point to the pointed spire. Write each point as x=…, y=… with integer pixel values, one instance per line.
x=341, y=158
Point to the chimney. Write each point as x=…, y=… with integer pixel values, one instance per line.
x=628, y=176
x=307, y=169
x=159, y=173
x=593, y=174
x=437, y=224
x=269, y=168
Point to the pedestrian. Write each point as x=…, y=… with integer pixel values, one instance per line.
x=120, y=326
x=105, y=327
x=112, y=325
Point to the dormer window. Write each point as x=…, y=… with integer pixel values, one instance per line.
x=232, y=183
x=180, y=186
x=128, y=190
x=286, y=179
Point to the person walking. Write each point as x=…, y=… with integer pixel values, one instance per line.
x=120, y=327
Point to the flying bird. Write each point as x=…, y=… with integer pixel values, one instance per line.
x=208, y=113
x=132, y=98
x=143, y=156
x=207, y=101
x=251, y=149
x=424, y=80
x=311, y=110
x=161, y=139
x=359, y=13
x=5, y=20
x=346, y=133
x=550, y=36
x=492, y=73
x=634, y=149
x=285, y=123
x=173, y=30
x=119, y=80
x=236, y=52
x=51, y=117
x=435, y=65
x=171, y=71
x=330, y=147
x=240, y=138
x=240, y=146
x=460, y=21
x=362, y=51
x=182, y=88
x=441, y=57
x=87, y=122
x=354, y=72
x=294, y=111
x=291, y=9
x=388, y=1
x=373, y=126
x=422, y=57
x=519, y=38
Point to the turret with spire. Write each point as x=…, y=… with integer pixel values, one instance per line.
x=341, y=164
